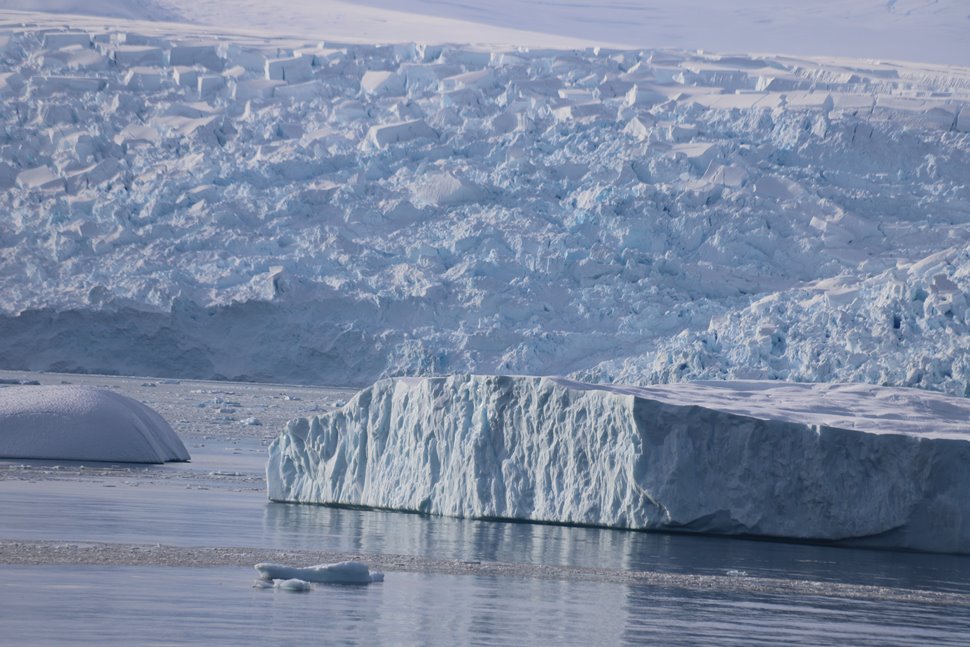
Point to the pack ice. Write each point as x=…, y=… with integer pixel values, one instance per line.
x=874, y=466
x=83, y=424
x=208, y=205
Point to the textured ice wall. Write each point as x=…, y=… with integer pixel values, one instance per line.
x=551, y=450
x=291, y=211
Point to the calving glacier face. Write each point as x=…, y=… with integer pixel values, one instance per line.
x=202, y=205
x=877, y=466
x=906, y=326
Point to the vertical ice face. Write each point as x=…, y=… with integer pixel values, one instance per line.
x=545, y=449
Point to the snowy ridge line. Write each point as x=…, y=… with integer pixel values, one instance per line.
x=677, y=458
x=39, y=552
x=332, y=213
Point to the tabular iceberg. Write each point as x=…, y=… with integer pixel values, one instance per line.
x=850, y=463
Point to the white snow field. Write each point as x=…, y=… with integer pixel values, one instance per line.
x=929, y=31
x=83, y=424
x=875, y=466
x=183, y=202
x=127, y=9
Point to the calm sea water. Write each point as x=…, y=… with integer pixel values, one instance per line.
x=79, y=605
x=85, y=605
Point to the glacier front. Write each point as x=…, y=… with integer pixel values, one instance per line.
x=858, y=464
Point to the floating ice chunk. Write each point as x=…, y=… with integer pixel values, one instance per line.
x=80, y=423
x=873, y=465
x=339, y=573
x=294, y=585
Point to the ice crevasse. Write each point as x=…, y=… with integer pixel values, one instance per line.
x=859, y=464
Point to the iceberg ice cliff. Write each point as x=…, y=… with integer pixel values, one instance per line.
x=849, y=463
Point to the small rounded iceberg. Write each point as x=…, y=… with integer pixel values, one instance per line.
x=83, y=424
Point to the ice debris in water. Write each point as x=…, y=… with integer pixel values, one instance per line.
x=870, y=465
x=351, y=572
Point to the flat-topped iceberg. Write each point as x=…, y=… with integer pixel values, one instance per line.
x=84, y=424
x=819, y=462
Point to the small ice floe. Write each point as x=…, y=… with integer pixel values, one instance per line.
x=340, y=573
x=736, y=573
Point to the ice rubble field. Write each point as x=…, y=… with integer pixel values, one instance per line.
x=83, y=424
x=873, y=466
x=321, y=212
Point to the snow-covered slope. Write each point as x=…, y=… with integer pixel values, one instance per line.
x=868, y=465
x=281, y=210
x=83, y=424
x=129, y=9
x=932, y=31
